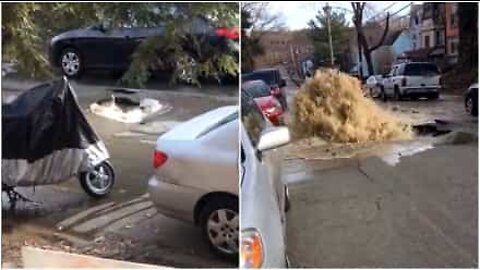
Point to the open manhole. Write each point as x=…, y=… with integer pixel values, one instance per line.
x=126, y=105
x=434, y=129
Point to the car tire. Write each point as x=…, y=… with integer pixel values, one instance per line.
x=383, y=94
x=71, y=63
x=99, y=181
x=212, y=226
x=470, y=106
x=433, y=96
x=396, y=94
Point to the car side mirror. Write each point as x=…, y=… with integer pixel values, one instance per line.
x=273, y=137
x=283, y=83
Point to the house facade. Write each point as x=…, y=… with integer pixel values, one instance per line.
x=415, y=26
x=451, y=32
x=396, y=43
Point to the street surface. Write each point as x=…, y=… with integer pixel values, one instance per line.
x=125, y=225
x=397, y=204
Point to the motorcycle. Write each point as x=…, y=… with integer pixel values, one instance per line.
x=47, y=140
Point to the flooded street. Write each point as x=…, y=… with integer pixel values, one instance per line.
x=394, y=204
x=125, y=225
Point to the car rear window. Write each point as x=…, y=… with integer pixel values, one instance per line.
x=225, y=121
x=421, y=70
x=269, y=77
x=257, y=89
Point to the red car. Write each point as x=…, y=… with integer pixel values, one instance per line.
x=265, y=99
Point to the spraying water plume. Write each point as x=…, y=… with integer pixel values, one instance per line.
x=332, y=106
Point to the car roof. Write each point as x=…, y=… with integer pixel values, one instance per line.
x=265, y=69
x=252, y=82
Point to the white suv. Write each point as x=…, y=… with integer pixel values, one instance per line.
x=414, y=79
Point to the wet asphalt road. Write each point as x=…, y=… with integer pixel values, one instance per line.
x=400, y=205
x=66, y=209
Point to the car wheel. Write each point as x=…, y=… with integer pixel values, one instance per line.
x=71, y=63
x=396, y=94
x=219, y=220
x=383, y=94
x=470, y=106
x=433, y=96
x=99, y=181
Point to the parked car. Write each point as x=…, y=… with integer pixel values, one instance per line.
x=264, y=197
x=374, y=84
x=412, y=79
x=272, y=78
x=471, y=100
x=103, y=47
x=196, y=176
x=261, y=93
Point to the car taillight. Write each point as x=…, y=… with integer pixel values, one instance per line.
x=275, y=108
x=230, y=33
x=251, y=249
x=404, y=82
x=159, y=158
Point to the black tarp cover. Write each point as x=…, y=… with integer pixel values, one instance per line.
x=45, y=134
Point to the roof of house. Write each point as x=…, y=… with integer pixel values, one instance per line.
x=392, y=37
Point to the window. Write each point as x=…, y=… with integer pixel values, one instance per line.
x=438, y=38
x=453, y=47
x=257, y=89
x=452, y=19
x=268, y=76
x=416, y=20
x=421, y=69
x=427, y=41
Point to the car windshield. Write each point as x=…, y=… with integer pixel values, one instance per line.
x=267, y=76
x=257, y=89
x=421, y=70
x=252, y=119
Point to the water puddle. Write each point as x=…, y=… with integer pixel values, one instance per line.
x=395, y=152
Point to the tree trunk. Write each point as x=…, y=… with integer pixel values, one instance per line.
x=368, y=58
x=367, y=50
x=360, y=62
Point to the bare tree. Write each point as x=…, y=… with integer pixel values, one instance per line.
x=261, y=18
x=256, y=20
x=358, y=12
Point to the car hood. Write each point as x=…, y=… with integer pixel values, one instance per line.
x=195, y=127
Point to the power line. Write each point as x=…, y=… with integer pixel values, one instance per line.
x=396, y=12
x=381, y=12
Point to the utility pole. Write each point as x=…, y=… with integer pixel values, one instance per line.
x=327, y=10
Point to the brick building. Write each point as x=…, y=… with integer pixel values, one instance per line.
x=284, y=47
